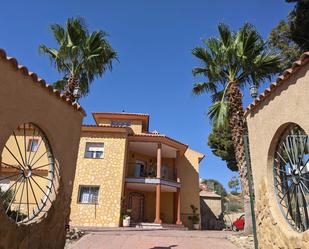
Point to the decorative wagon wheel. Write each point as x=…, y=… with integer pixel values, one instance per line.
x=291, y=175
x=28, y=174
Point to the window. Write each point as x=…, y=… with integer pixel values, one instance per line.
x=33, y=144
x=94, y=150
x=140, y=169
x=121, y=123
x=88, y=194
x=164, y=171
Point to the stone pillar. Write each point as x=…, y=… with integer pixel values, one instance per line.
x=158, y=187
x=159, y=156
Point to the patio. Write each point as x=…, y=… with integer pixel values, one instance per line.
x=161, y=239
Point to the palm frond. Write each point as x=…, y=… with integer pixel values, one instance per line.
x=80, y=53
x=218, y=113
x=225, y=34
x=204, y=87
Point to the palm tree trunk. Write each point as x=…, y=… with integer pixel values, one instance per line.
x=238, y=127
x=69, y=88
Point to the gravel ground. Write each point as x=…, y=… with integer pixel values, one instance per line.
x=243, y=242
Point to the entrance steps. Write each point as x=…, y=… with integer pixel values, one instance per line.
x=154, y=226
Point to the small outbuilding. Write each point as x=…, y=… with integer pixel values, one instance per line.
x=211, y=208
x=278, y=125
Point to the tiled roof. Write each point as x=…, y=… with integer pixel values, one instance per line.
x=24, y=70
x=122, y=113
x=107, y=126
x=157, y=135
x=304, y=59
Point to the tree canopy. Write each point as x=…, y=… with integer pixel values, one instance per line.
x=240, y=57
x=81, y=56
x=214, y=185
x=220, y=141
x=291, y=37
x=299, y=23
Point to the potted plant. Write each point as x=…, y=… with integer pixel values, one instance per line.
x=126, y=218
x=195, y=218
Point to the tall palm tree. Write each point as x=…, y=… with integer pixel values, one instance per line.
x=81, y=56
x=229, y=63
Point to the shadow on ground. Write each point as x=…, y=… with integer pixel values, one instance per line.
x=163, y=247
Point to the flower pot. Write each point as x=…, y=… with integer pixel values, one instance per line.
x=196, y=226
x=126, y=222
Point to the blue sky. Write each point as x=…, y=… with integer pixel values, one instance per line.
x=154, y=41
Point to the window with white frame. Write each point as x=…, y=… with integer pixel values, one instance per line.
x=88, y=194
x=94, y=150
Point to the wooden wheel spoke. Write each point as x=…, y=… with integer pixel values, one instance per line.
x=13, y=198
x=40, y=188
x=20, y=164
x=26, y=182
x=20, y=200
x=39, y=158
x=9, y=176
x=3, y=194
x=10, y=166
x=25, y=145
x=19, y=150
x=41, y=140
x=28, y=162
x=33, y=193
x=42, y=166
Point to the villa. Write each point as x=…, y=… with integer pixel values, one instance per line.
x=121, y=165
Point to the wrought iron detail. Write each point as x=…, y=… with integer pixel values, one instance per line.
x=29, y=174
x=291, y=177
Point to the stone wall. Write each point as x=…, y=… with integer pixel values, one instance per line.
x=107, y=173
x=271, y=233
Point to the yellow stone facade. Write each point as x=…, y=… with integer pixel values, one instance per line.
x=123, y=147
x=107, y=173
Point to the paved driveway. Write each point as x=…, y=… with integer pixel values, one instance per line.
x=155, y=240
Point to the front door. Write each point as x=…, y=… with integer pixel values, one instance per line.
x=136, y=204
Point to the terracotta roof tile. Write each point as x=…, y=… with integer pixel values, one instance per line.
x=24, y=70
x=107, y=126
x=304, y=59
x=124, y=113
x=157, y=135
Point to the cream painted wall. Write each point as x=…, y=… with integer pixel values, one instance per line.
x=288, y=103
x=189, y=179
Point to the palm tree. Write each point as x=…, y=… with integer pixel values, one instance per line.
x=80, y=57
x=229, y=63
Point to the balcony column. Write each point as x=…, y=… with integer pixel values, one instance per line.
x=178, y=203
x=158, y=187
